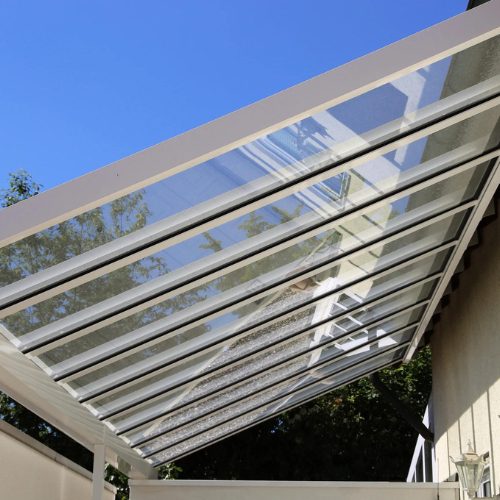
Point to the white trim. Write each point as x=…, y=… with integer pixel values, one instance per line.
x=33, y=284
x=165, y=387
x=285, y=407
x=126, y=249
x=77, y=322
x=419, y=452
x=140, y=443
x=232, y=327
x=98, y=472
x=27, y=383
x=137, y=427
x=294, y=484
x=168, y=385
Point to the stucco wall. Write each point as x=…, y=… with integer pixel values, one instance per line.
x=31, y=471
x=466, y=362
x=265, y=490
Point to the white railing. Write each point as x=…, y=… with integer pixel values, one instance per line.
x=423, y=463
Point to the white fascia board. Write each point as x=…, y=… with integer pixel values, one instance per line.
x=201, y=483
x=489, y=189
x=236, y=129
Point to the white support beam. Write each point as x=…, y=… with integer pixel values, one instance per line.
x=291, y=490
x=98, y=472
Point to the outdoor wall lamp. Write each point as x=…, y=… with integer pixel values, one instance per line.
x=470, y=468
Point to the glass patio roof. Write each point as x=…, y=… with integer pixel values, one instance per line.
x=268, y=275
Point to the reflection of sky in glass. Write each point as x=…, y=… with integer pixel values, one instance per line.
x=278, y=157
x=296, y=143
x=355, y=117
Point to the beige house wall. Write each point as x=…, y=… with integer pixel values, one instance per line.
x=31, y=471
x=466, y=362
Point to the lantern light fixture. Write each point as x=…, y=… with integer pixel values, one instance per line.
x=470, y=468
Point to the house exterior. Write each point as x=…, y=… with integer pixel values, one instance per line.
x=466, y=373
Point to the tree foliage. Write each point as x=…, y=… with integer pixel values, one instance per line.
x=21, y=187
x=57, y=244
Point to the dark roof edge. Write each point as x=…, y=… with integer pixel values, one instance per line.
x=475, y=3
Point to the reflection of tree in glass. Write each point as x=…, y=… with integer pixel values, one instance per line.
x=74, y=237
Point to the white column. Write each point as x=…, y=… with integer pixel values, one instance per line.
x=98, y=473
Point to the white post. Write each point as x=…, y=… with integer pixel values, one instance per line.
x=98, y=473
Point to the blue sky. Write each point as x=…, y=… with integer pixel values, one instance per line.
x=86, y=82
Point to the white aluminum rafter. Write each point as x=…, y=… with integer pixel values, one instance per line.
x=114, y=309
x=77, y=364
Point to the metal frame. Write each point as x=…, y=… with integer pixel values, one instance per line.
x=41, y=346
x=286, y=408
x=271, y=114
x=23, y=381
x=140, y=298
x=185, y=407
x=173, y=230
x=202, y=144
x=110, y=388
x=167, y=388
x=78, y=369
x=158, y=331
x=355, y=362
x=234, y=334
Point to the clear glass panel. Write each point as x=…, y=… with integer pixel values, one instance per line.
x=263, y=164
x=280, y=353
x=276, y=408
x=142, y=326
x=165, y=352
x=195, y=410
x=185, y=261
x=261, y=383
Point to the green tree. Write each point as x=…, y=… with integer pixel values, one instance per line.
x=350, y=434
x=21, y=187
x=73, y=237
